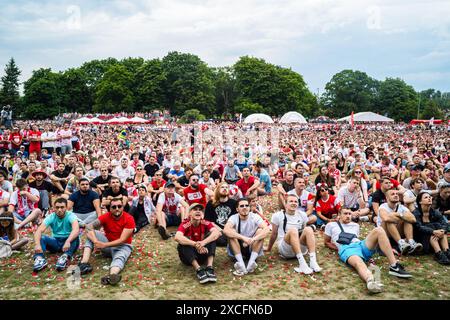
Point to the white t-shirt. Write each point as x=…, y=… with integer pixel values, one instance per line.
x=385, y=206
x=349, y=199
x=305, y=199
x=49, y=144
x=332, y=230
x=65, y=133
x=170, y=205
x=123, y=174
x=296, y=221
x=14, y=199
x=248, y=226
x=7, y=186
x=4, y=194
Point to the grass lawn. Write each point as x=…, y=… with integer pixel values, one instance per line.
x=154, y=271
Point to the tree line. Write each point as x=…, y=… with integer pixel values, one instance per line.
x=187, y=86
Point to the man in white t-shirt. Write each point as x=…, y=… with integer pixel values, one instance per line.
x=246, y=232
x=398, y=223
x=356, y=253
x=124, y=171
x=351, y=196
x=24, y=204
x=65, y=139
x=48, y=139
x=294, y=237
x=305, y=198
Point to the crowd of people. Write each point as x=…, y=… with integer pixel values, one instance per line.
x=95, y=187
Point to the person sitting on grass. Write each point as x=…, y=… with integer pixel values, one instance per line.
x=356, y=252
x=246, y=232
x=398, y=222
x=24, y=204
x=65, y=237
x=116, y=242
x=9, y=233
x=294, y=238
x=196, y=239
x=431, y=228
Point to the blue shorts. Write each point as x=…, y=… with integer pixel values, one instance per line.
x=172, y=220
x=21, y=218
x=355, y=249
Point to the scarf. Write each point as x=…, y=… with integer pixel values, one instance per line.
x=20, y=203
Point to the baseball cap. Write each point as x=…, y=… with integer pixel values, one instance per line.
x=446, y=169
x=194, y=205
x=169, y=184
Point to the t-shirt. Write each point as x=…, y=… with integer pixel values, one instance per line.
x=379, y=197
x=220, y=214
x=27, y=205
x=61, y=227
x=333, y=231
x=49, y=144
x=287, y=187
x=249, y=226
x=385, y=206
x=183, y=181
x=296, y=221
x=231, y=173
x=35, y=135
x=195, y=233
x=306, y=198
x=394, y=182
x=195, y=195
x=349, y=199
x=178, y=173
x=83, y=203
x=114, y=228
x=65, y=141
x=4, y=194
x=329, y=207
x=16, y=139
x=44, y=186
x=170, y=205
x=123, y=174
x=7, y=186
x=244, y=186
x=156, y=185
x=150, y=170
x=265, y=178
x=101, y=180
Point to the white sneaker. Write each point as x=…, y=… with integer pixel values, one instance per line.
x=315, y=266
x=374, y=287
x=404, y=247
x=252, y=267
x=239, y=269
x=303, y=269
x=364, y=219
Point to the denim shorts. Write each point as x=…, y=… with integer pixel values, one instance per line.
x=21, y=218
x=355, y=249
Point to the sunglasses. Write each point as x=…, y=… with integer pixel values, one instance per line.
x=323, y=190
x=244, y=205
x=59, y=207
x=116, y=207
x=139, y=169
x=358, y=172
x=158, y=175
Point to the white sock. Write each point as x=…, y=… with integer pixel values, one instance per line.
x=253, y=257
x=411, y=242
x=239, y=259
x=301, y=259
x=312, y=257
x=401, y=241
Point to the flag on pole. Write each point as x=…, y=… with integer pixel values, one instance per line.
x=352, y=119
x=431, y=121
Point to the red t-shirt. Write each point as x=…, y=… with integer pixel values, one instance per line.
x=195, y=233
x=395, y=183
x=157, y=185
x=195, y=196
x=328, y=208
x=16, y=139
x=34, y=135
x=114, y=228
x=245, y=186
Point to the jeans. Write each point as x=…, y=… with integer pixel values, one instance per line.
x=55, y=245
x=67, y=149
x=86, y=218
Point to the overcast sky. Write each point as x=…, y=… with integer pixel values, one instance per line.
x=317, y=38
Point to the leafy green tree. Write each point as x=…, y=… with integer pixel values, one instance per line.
x=192, y=115
x=150, y=84
x=9, y=93
x=75, y=92
x=225, y=93
x=349, y=91
x=247, y=107
x=189, y=83
x=431, y=110
x=42, y=95
x=397, y=100
x=113, y=92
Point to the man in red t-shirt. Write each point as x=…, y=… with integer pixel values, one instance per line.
x=35, y=141
x=116, y=242
x=248, y=183
x=195, y=192
x=196, y=239
x=16, y=140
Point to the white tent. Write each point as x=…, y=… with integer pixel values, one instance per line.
x=366, y=117
x=292, y=117
x=86, y=120
x=120, y=120
x=138, y=120
x=258, y=117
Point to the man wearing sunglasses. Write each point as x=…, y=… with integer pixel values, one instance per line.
x=246, y=232
x=196, y=192
x=116, y=242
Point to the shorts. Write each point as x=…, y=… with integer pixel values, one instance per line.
x=245, y=251
x=286, y=251
x=172, y=220
x=355, y=249
x=21, y=218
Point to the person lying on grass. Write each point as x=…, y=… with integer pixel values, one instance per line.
x=342, y=235
x=115, y=243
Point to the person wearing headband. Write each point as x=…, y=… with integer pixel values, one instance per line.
x=9, y=233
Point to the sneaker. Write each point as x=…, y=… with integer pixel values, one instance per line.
x=315, y=266
x=39, y=264
x=201, y=275
x=313, y=227
x=399, y=271
x=239, y=269
x=364, y=219
x=61, y=264
x=303, y=269
x=211, y=274
x=404, y=247
x=416, y=248
x=163, y=233
x=85, y=268
x=441, y=257
x=374, y=287
x=252, y=267
x=111, y=279
x=447, y=253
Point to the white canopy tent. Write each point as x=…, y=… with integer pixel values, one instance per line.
x=292, y=117
x=86, y=120
x=138, y=120
x=258, y=117
x=120, y=120
x=366, y=117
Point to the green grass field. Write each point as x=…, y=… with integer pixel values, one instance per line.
x=155, y=272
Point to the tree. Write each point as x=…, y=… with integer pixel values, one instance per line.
x=113, y=92
x=349, y=91
x=247, y=107
x=432, y=110
x=150, y=82
x=398, y=100
x=9, y=93
x=189, y=84
x=75, y=92
x=42, y=95
x=225, y=93
x=192, y=115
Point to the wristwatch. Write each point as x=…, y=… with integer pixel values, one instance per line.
x=401, y=214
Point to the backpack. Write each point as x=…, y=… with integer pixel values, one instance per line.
x=5, y=249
